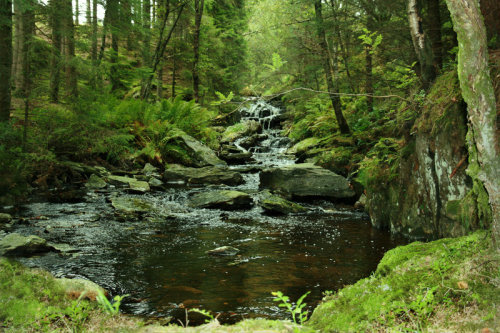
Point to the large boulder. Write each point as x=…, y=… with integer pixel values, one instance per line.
x=95, y=182
x=186, y=150
x=224, y=199
x=206, y=175
x=18, y=245
x=277, y=205
x=306, y=180
x=241, y=129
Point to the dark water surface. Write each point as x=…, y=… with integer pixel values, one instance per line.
x=160, y=259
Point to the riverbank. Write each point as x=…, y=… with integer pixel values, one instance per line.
x=450, y=284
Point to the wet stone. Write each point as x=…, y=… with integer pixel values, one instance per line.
x=18, y=245
x=224, y=251
x=224, y=199
x=95, y=182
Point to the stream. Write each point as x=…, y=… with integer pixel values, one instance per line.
x=160, y=260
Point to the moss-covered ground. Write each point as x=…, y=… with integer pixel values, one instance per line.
x=447, y=285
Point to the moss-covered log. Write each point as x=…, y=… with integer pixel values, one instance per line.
x=478, y=93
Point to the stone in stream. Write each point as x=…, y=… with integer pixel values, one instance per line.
x=206, y=175
x=224, y=199
x=18, y=245
x=135, y=186
x=131, y=205
x=239, y=130
x=155, y=183
x=306, y=180
x=224, y=251
x=186, y=150
x=275, y=204
x=95, y=182
x=150, y=170
x=5, y=218
x=237, y=158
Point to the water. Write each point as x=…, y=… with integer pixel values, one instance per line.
x=160, y=259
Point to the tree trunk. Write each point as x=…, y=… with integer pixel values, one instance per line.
x=55, y=63
x=77, y=14
x=327, y=67
x=434, y=19
x=146, y=41
x=369, y=77
x=127, y=22
x=5, y=57
x=198, y=7
x=88, y=14
x=69, y=37
x=16, y=60
x=478, y=93
x=174, y=70
x=159, y=85
x=113, y=10
x=421, y=44
x=94, y=32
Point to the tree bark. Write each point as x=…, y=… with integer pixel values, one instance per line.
x=198, y=8
x=69, y=37
x=17, y=51
x=421, y=44
x=328, y=68
x=88, y=14
x=146, y=26
x=77, y=14
x=5, y=58
x=113, y=10
x=55, y=63
x=478, y=93
x=94, y=32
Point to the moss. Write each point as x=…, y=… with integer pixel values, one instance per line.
x=420, y=287
x=304, y=145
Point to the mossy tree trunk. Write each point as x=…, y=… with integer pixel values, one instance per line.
x=478, y=93
x=5, y=57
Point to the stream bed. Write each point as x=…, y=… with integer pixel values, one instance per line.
x=161, y=261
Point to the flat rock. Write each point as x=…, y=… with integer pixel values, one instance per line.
x=306, y=180
x=224, y=199
x=224, y=251
x=241, y=129
x=275, y=204
x=95, y=182
x=206, y=175
x=131, y=205
x=135, y=186
x=18, y=245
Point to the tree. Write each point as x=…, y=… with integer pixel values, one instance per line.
x=478, y=93
x=56, y=21
x=327, y=68
x=198, y=8
x=69, y=38
x=5, y=57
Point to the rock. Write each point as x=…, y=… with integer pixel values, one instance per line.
x=150, y=170
x=139, y=187
x=306, y=180
x=131, y=205
x=18, y=245
x=206, y=175
x=5, y=218
x=155, y=183
x=304, y=145
x=95, y=182
x=224, y=199
x=237, y=158
x=74, y=288
x=361, y=203
x=63, y=248
x=239, y=130
x=135, y=186
x=224, y=251
x=186, y=150
x=275, y=204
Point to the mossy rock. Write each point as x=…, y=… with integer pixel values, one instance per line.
x=239, y=130
x=277, y=205
x=224, y=199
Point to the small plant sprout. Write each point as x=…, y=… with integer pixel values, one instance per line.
x=299, y=315
x=111, y=308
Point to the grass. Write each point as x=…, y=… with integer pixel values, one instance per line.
x=449, y=284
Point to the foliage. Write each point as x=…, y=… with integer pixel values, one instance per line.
x=420, y=287
x=107, y=306
x=13, y=170
x=299, y=315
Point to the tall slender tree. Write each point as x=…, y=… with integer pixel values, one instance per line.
x=69, y=39
x=198, y=14
x=5, y=58
x=56, y=20
x=328, y=69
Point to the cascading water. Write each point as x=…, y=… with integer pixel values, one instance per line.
x=160, y=259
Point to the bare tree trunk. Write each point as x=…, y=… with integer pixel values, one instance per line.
x=94, y=32
x=198, y=8
x=55, y=70
x=28, y=23
x=159, y=85
x=77, y=14
x=127, y=22
x=421, y=44
x=369, y=77
x=17, y=52
x=88, y=14
x=69, y=37
x=113, y=11
x=174, y=71
x=146, y=41
x=5, y=58
x=478, y=93
x=327, y=67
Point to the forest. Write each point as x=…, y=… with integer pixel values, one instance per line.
x=249, y=165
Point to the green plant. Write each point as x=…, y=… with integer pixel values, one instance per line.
x=205, y=313
x=111, y=308
x=299, y=315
